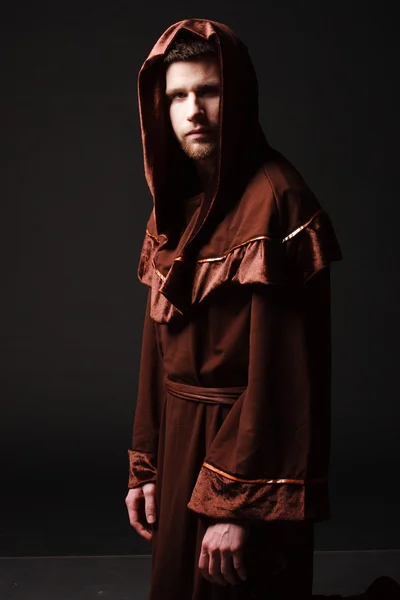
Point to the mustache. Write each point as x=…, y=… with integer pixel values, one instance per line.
x=202, y=129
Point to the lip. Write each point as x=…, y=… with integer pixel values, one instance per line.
x=199, y=132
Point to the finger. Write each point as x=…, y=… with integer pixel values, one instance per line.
x=203, y=564
x=135, y=518
x=133, y=512
x=142, y=531
x=214, y=567
x=150, y=507
x=227, y=569
x=238, y=563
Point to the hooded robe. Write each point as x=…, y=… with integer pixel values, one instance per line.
x=232, y=419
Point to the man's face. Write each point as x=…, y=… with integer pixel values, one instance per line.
x=193, y=88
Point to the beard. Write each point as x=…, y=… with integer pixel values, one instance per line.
x=198, y=150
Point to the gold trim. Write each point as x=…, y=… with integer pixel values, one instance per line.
x=255, y=239
x=152, y=236
x=267, y=481
x=217, y=258
x=296, y=231
x=161, y=276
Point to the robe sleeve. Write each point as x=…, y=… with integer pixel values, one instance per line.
x=269, y=460
x=143, y=454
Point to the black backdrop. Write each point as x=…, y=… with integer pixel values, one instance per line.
x=74, y=205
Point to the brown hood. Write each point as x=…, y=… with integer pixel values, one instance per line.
x=258, y=223
x=171, y=175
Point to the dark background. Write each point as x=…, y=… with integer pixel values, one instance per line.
x=74, y=204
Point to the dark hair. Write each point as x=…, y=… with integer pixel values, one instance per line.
x=189, y=47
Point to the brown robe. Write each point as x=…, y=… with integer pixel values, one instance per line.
x=233, y=412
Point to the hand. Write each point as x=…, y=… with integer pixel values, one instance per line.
x=221, y=555
x=141, y=505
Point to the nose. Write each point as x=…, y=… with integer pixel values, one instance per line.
x=193, y=106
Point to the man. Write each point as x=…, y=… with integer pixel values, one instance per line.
x=230, y=449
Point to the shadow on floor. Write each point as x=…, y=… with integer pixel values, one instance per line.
x=127, y=577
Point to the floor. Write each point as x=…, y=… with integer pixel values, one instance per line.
x=127, y=577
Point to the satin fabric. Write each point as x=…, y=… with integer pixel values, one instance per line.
x=239, y=297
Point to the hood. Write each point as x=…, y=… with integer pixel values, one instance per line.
x=171, y=175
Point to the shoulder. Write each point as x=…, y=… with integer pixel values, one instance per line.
x=296, y=204
x=282, y=175
x=277, y=200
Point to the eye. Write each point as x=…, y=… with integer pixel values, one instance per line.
x=210, y=90
x=177, y=96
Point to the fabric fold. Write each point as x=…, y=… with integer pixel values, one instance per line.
x=144, y=449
